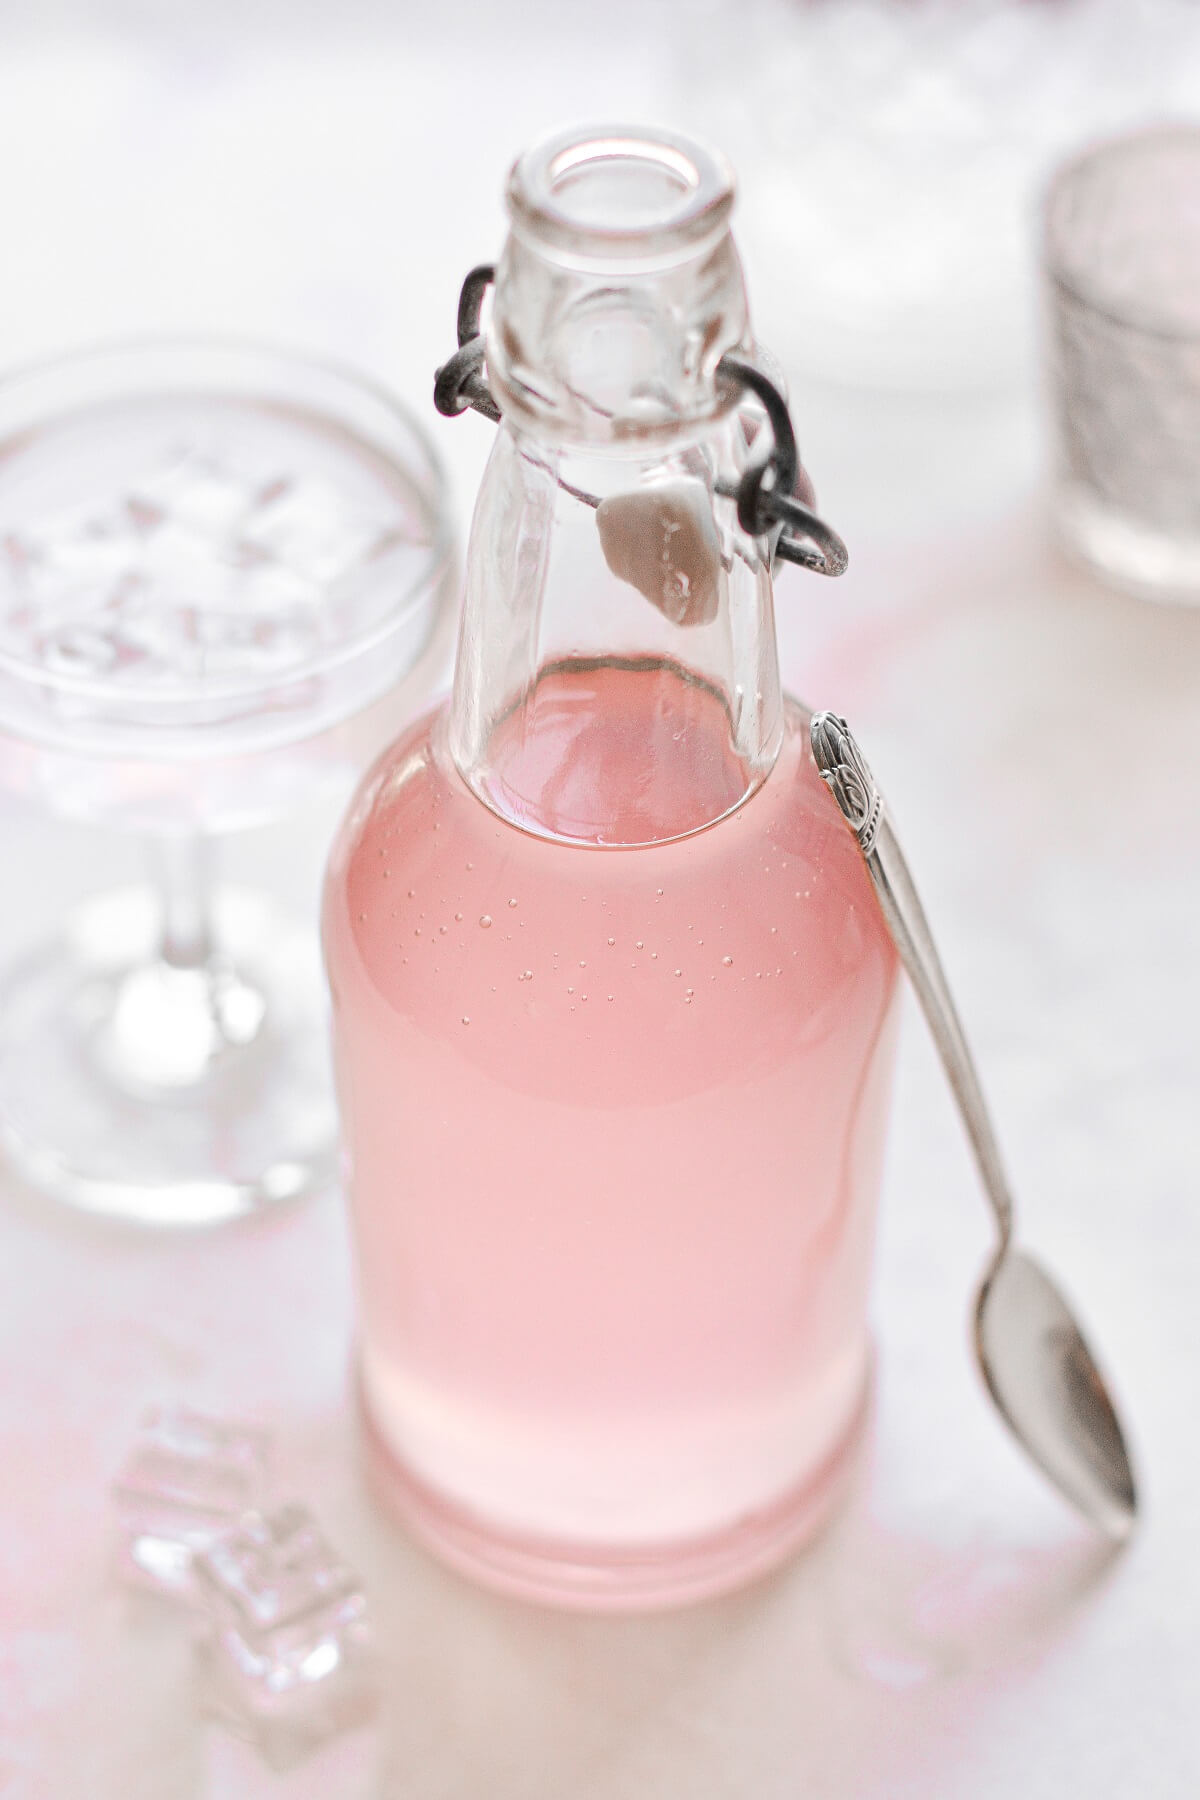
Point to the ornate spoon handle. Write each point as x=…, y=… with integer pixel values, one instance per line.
x=845, y=771
x=1032, y=1354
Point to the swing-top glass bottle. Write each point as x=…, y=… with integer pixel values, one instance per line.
x=613, y=999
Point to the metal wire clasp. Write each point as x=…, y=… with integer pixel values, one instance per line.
x=767, y=500
x=461, y=382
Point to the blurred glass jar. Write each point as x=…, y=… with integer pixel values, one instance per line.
x=1122, y=253
x=893, y=153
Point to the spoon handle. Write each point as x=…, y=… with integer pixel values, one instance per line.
x=845, y=771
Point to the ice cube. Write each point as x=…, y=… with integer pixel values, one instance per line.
x=188, y=1479
x=18, y=555
x=144, y=515
x=348, y=1766
x=288, y=1658
x=187, y=570
x=78, y=650
x=74, y=569
x=315, y=531
x=271, y=590
x=86, y=563
x=197, y=491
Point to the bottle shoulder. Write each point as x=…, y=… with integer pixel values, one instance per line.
x=415, y=825
x=743, y=948
x=415, y=775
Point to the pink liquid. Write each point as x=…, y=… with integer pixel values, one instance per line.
x=615, y=1119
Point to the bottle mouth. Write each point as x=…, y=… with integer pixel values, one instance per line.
x=620, y=192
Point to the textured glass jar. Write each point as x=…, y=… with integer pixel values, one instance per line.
x=613, y=998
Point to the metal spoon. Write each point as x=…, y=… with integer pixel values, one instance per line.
x=1033, y=1357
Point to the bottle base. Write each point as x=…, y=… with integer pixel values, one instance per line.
x=595, y=1578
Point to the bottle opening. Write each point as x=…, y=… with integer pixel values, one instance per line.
x=637, y=192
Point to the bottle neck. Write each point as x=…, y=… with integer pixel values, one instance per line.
x=617, y=679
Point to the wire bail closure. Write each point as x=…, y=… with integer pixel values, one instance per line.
x=767, y=503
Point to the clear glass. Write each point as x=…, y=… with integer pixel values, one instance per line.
x=612, y=996
x=1122, y=255
x=225, y=579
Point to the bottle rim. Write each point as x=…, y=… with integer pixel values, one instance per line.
x=620, y=193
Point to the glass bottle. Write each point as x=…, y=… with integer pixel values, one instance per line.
x=613, y=999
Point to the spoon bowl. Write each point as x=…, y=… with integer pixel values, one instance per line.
x=1047, y=1386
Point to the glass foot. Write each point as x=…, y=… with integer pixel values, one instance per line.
x=161, y=1094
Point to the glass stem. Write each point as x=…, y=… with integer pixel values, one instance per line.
x=183, y=870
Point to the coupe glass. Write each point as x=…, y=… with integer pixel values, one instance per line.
x=226, y=575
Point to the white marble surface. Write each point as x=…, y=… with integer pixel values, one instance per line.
x=955, y=1636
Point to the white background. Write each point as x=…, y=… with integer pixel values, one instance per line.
x=325, y=178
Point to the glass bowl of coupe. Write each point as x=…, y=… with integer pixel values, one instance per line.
x=226, y=574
